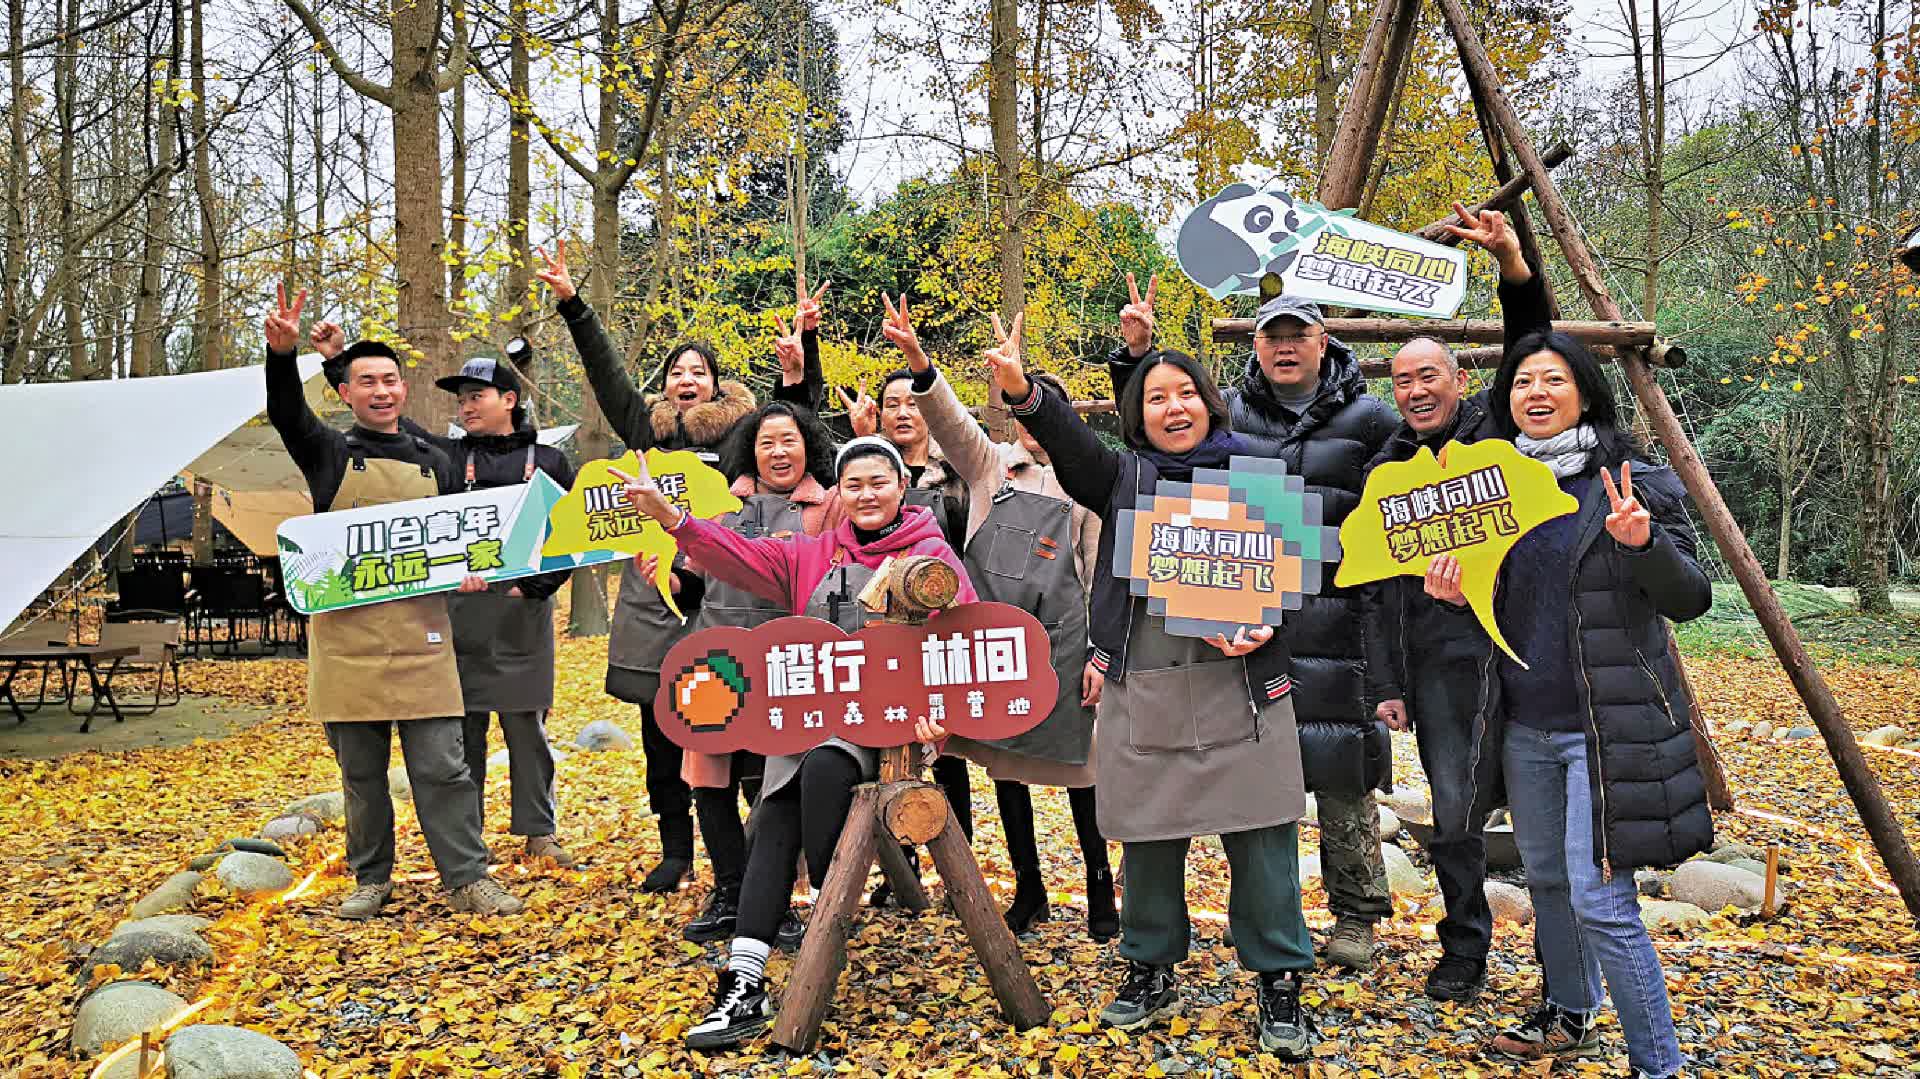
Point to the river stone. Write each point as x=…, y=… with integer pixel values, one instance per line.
x=164, y=945
x=1410, y=805
x=220, y=1052
x=1712, y=886
x=251, y=845
x=253, y=874
x=1888, y=735
x=1510, y=904
x=602, y=735
x=171, y=923
x=1801, y=734
x=117, y=1012
x=329, y=806
x=1402, y=877
x=1389, y=823
x=1651, y=883
x=1737, y=727
x=398, y=785
x=281, y=829
x=1763, y=730
x=1659, y=914
x=500, y=762
x=174, y=893
x=1734, y=851
x=1310, y=868
x=200, y=863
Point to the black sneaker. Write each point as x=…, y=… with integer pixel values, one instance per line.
x=740, y=1010
x=716, y=918
x=666, y=876
x=792, y=932
x=1457, y=978
x=1550, y=1032
x=1149, y=994
x=1286, y=1027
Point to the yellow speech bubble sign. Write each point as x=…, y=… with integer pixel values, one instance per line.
x=594, y=515
x=1473, y=502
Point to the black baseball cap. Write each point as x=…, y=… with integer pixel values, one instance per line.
x=1288, y=307
x=484, y=372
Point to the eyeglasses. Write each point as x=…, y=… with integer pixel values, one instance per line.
x=1289, y=339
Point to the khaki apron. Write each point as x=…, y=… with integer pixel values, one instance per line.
x=503, y=644
x=385, y=661
x=1023, y=555
x=835, y=599
x=1182, y=751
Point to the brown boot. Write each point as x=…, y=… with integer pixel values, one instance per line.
x=484, y=896
x=365, y=902
x=1351, y=944
x=546, y=846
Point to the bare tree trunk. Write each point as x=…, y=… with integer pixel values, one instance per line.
x=66, y=60
x=457, y=196
x=519, y=176
x=149, y=338
x=13, y=345
x=419, y=243
x=317, y=268
x=1326, y=82
x=208, y=321
x=1003, y=116
x=1785, y=548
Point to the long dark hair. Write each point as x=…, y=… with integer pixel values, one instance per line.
x=736, y=454
x=1133, y=427
x=698, y=348
x=1601, y=408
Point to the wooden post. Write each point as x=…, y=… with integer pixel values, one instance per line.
x=1504, y=196
x=1013, y=986
x=902, y=874
x=1862, y=786
x=1376, y=78
x=1616, y=332
x=1770, y=903
x=816, y=972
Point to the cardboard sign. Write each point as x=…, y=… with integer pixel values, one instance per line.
x=1230, y=242
x=1233, y=549
x=1473, y=502
x=349, y=558
x=595, y=515
x=981, y=670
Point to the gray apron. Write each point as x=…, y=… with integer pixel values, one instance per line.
x=1182, y=751
x=931, y=498
x=644, y=629
x=503, y=644
x=835, y=599
x=1023, y=555
x=726, y=605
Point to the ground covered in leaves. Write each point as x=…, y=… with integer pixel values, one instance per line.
x=595, y=981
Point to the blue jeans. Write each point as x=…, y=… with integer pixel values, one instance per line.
x=1584, y=925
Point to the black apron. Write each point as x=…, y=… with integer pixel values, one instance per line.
x=835, y=599
x=503, y=644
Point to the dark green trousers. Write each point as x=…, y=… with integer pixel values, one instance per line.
x=1263, y=908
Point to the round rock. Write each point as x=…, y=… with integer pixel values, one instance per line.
x=1510, y=904
x=1409, y=805
x=1402, y=877
x=131, y=949
x=1651, y=883
x=500, y=762
x=398, y=785
x=1888, y=735
x=1389, y=823
x=175, y=893
x=253, y=874
x=1712, y=886
x=220, y=1052
x=601, y=736
x=329, y=806
x=281, y=829
x=251, y=845
x=169, y=923
x=1763, y=729
x=1801, y=734
x=1733, y=851
x=1667, y=914
x=1310, y=868
x=118, y=1012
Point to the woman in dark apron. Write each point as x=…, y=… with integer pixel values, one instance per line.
x=805, y=797
x=780, y=461
x=1196, y=736
x=1028, y=545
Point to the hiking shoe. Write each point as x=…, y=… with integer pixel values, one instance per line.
x=1550, y=1032
x=1029, y=904
x=666, y=876
x=365, y=902
x=1351, y=944
x=740, y=1010
x=546, y=846
x=792, y=932
x=1149, y=994
x=1103, y=918
x=485, y=896
x=1286, y=1028
x=715, y=921
x=1457, y=978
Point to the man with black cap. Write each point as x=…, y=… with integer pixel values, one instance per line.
x=503, y=633
x=1302, y=399
x=383, y=667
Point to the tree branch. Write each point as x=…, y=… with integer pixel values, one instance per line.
x=362, y=85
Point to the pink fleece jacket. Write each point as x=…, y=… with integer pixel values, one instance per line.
x=788, y=570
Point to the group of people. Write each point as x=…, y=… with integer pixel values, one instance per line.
x=1589, y=743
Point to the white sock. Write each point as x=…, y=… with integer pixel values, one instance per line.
x=748, y=959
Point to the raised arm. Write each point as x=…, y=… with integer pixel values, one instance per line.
x=308, y=441
x=1086, y=468
x=762, y=565
x=623, y=404
x=1524, y=308
x=803, y=381
x=960, y=438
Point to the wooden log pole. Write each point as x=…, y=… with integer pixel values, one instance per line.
x=1013, y=986
x=1771, y=901
x=1504, y=196
x=1376, y=78
x=913, y=812
x=902, y=876
x=816, y=972
x=1862, y=786
x=1475, y=331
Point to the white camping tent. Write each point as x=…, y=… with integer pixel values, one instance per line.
x=80, y=455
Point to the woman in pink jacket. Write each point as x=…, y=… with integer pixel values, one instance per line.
x=804, y=798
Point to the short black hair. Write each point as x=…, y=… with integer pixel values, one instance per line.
x=1600, y=408
x=698, y=348
x=893, y=377
x=737, y=457
x=360, y=350
x=852, y=452
x=1133, y=427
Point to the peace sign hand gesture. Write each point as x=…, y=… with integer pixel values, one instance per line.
x=1136, y=318
x=1630, y=524
x=644, y=495
x=282, y=326
x=555, y=272
x=1009, y=372
x=787, y=349
x=1489, y=230
x=898, y=328
x=806, y=306
x=863, y=412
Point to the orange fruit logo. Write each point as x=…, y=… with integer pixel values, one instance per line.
x=710, y=691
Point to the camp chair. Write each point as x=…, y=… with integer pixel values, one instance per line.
x=159, y=644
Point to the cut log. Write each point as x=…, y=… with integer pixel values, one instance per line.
x=816, y=972
x=1013, y=986
x=904, y=878
x=914, y=812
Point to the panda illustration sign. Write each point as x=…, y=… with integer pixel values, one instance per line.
x=1230, y=242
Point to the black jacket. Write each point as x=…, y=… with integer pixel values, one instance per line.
x=501, y=461
x=321, y=453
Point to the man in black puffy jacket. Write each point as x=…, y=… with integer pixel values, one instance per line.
x=1303, y=400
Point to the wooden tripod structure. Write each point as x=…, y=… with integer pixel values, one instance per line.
x=900, y=808
x=1377, y=80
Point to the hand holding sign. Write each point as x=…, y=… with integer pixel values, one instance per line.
x=611, y=509
x=1443, y=580
x=1629, y=524
x=645, y=495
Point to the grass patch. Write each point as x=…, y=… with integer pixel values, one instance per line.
x=1826, y=619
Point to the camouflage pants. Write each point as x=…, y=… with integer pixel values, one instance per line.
x=1350, y=857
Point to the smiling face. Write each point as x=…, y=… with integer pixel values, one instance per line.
x=1171, y=410
x=1290, y=352
x=871, y=491
x=689, y=380
x=779, y=454
x=1427, y=386
x=1545, y=400
x=375, y=392
x=900, y=421
x=485, y=410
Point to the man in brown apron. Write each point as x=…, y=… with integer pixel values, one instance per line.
x=385, y=666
